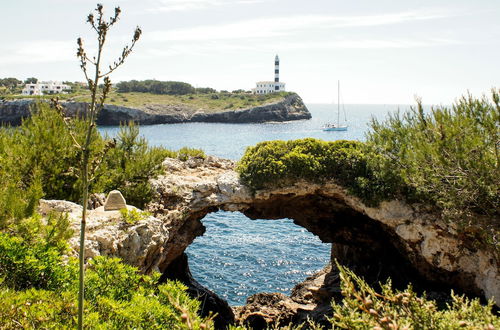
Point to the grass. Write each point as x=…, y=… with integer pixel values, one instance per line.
x=202, y=102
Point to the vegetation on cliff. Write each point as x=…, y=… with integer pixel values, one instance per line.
x=447, y=157
x=208, y=102
x=279, y=163
x=38, y=159
x=362, y=307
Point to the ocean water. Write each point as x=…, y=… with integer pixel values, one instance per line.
x=237, y=257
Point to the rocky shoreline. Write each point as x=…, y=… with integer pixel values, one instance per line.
x=290, y=108
x=408, y=243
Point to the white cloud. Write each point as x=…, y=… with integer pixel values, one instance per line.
x=223, y=47
x=185, y=5
x=39, y=51
x=273, y=27
x=368, y=43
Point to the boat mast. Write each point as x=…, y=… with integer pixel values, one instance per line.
x=338, y=103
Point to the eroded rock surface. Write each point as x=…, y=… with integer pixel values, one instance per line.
x=291, y=107
x=405, y=242
x=408, y=243
x=141, y=244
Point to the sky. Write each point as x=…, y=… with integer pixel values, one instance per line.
x=382, y=52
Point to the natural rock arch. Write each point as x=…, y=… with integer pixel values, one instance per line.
x=406, y=242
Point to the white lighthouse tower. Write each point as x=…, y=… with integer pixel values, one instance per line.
x=276, y=72
x=266, y=87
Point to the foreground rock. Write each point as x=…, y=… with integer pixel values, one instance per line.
x=290, y=108
x=408, y=243
x=141, y=244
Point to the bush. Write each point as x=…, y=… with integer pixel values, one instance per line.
x=38, y=160
x=30, y=254
x=280, y=163
x=129, y=165
x=364, y=308
x=133, y=216
x=37, y=290
x=449, y=156
x=185, y=153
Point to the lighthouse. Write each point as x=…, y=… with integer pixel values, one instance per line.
x=266, y=87
x=276, y=73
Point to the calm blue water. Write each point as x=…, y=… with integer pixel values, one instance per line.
x=238, y=257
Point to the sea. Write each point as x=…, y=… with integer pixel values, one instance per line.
x=237, y=256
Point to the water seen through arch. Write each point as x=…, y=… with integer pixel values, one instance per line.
x=237, y=256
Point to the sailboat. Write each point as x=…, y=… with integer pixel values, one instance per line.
x=336, y=126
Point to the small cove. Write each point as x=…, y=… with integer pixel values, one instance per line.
x=238, y=257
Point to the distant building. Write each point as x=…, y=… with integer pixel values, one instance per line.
x=266, y=87
x=45, y=87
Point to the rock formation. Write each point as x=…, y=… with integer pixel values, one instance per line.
x=140, y=244
x=408, y=243
x=114, y=201
x=290, y=108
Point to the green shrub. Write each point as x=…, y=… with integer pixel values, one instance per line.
x=279, y=163
x=17, y=201
x=37, y=309
x=448, y=156
x=185, y=153
x=129, y=165
x=26, y=265
x=133, y=216
x=364, y=308
x=38, y=160
x=38, y=290
x=30, y=254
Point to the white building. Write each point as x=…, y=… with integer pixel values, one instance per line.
x=266, y=87
x=45, y=87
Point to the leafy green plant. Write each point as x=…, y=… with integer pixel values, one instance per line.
x=364, y=308
x=279, y=163
x=185, y=153
x=31, y=252
x=117, y=297
x=129, y=165
x=133, y=215
x=449, y=156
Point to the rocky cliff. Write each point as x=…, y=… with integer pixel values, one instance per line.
x=290, y=108
x=408, y=243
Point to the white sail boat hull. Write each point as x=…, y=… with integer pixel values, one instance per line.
x=335, y=128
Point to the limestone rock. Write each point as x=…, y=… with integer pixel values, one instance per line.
x=406, y=242
x=409, y=243
x=140, y=244
x=289, y=108
x=114, y=201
